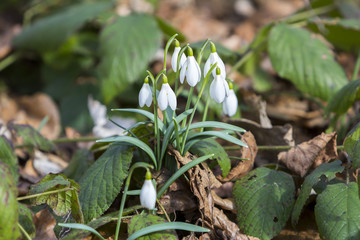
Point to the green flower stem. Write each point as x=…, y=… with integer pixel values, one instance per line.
x=246, y=56
x=9, y=60
x=308, y=14
x=27, y=236
x=43, y=194
x=205, y=112
x=167, y=48
x=162, y=209
x=123, y=198
x=272, y=148
x=356, y=69
x=202, y=49
x=177, y=136
x=187, y=107
x=206, y=79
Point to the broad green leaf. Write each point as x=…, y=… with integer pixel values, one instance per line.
x=343, y=33
x=344, y=98
x=50, y=32
x=80, y=162
x=63, y=198
x=264, y=200
x=210, y=145
x=133, y=141
x=327, y=169
x=126, y=47
x=138, y=222
x=305, y=60
x=25, y=220
x=8, y=205
x=337, y=212
x=102, y=182
x=352, y=146
x=32, y=138
x=7, y=155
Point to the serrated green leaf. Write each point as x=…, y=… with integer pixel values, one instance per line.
x=337, y=212
x=264, y=200
x=139, y=222
x=126, y=47
x=32, y=138
x=328, y=170
x=25, y=220
x=343, y=33
x=7, y=156
x=352, y=146
x=344, y=98
x=50, y=32
x=8, y=205
x=65, y=198
x=80, y=162
x=306, y=61
x=102, y=182
x=210, y=145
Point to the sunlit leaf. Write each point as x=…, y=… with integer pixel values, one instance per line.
x=344, y=98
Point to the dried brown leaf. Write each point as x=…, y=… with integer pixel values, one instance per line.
x=44, y=225
x=318, y=150
x=224, y=203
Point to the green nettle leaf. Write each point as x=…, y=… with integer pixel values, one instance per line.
x=126, y=47
x=343, y=33
x=8, y=205
x=32, y=138
x=102, y=182
x=327, y=169
x=264, y=200
x=305, y=60
x=64, y=200
x=344, y=98
x=138, y=222
x=80, y=162
x=337, y=212
x=352, y=146
x=50, y=32
x=25, y=220
x=210, y=145
x=8, y=156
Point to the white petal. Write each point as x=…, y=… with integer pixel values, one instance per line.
x=171, y=97
x=220, y=64
x=162, y=98
x=199, y=71
x=149, y=98
x=174, y=58
x=148, y=195
x=207, y=66
x=144, y=94
x=230, y=104
x=192, y=75
x=219, y=90
x=226, y=87
x=212, y=89
x=183, y=71
x=182, y=60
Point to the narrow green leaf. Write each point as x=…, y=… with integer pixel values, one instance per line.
x=264, y=200
x=82, y=227
x=306, y=61
x=327, y=169
x=352, y=146
x=102, y=182
x=337, y=212
x=218, y=134
x=215, y=124
x=7, y=156
x=133, y=141
x=344, y=98
x=169, y=30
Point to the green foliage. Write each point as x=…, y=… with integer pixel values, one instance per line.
x=80, y=162
x=81, y=227
x=305, y=60
x=102, y=182
x=327, y=169
x=63, y=200
x=126, y=47
x=264, y=200
x=8, y=157
x=50, y=32
x=352, y=146
x=210, y=145
x=8, y=205
x=26, y=220
x=337, y=212
x=344, y=98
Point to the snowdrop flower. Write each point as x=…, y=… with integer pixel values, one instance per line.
x=230, y=103
x=175, y=55
x=190, y=69
x=219, y=87
x=148, y=193
x=166, y=96
x=214, y=58
x=145, y=94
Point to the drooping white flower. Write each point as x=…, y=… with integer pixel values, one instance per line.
x=148, y=193
x=219, y=87
x=230, y=103
x=190, y=70
x=166, y=96
x=174, y=58
x=145, y=94
x=214, y=58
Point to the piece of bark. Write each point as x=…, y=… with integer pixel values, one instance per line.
x=309, y=154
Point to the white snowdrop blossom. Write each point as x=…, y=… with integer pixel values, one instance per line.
x=214, y=58
x=148, y=193
x=190, y=70
x=145, y=94
x=219, y=88
x=166, y=96
x=174, y=58
x=230, y=103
